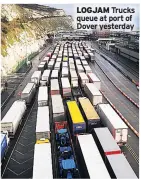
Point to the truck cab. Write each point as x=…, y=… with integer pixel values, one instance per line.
x=67, y=168
x=62, y=137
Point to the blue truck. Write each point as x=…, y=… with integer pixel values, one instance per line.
x=67, y=168
x=4, y=145
x=62, y=137
x=65, y=154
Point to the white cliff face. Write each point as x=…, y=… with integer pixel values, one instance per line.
x=10, y=11
x=25, y=31
x=40, y=14
x=18, y=52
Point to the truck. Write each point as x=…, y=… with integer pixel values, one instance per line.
x=41, y=68
x=54, y=87
x=94, y=79
x=80, y=68
x=76, y=119
x=46, y=59
x=66, y=88
x=87, y=69
x=59, y=59
x=43, y=123
x=49, y=54
x=92, y=57
x=74, y=78
x=65, y=152
x=46, y=76
x=62, y=137
x=76, y=56
x=72, y=66
x=13, y=117
x=65, y=72
x=54, y=74
x=82, y=58
x=89, y=113
x=93, y=93
x=57, y=66
x=51, y=64
x=58, y=108
x=78, y=62
x=71, y=60
x=42, y=164
x=54, y=56
x=84, y=63
x=68, y=168
x=86, y=55
x=83, y=79
x=70, y=54
x=44, y=63
x=105, y=142
x=43, y=96
x=119, y=167
x=35, y=78
x=115, y=124
x=90, y=162
x=28, y=92
x=4, y=144
x=76, y=92
x=64, y=64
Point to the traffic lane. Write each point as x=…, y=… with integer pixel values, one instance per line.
x=133, y=152
x=5, y=94
x=116, y=58
x=109, y=67
x=16, y=96
x=120, y=58
x=133, y=142
x=122, y=82
x=23, y=69
x=115, y=97
x=13, y=81
x=124, y=61
x=126, y=108
x=20, y=162
x=124, y=69
x=132, y=107
x=119, y=80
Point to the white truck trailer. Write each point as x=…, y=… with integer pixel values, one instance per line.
x=111, y=119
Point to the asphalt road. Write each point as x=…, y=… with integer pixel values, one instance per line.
x=13, y=81
x=128, y=110
x=19, y=158
x=16, y=96
x=119, y=80
x=19, y=163
x=125, y=62
x=125, y=69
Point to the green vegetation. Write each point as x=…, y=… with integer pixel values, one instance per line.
x=17, y=20
x=19, y=65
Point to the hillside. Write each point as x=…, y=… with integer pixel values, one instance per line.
x=24, y=28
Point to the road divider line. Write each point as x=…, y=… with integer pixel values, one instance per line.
x=134, y=155
x=122, y=117
x=132, y=101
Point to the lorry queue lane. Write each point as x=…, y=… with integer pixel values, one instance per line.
x=118, y=79
x=129, y=111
